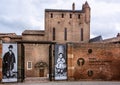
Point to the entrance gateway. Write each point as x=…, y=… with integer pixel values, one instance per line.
x=41, y=66
x=56, y=66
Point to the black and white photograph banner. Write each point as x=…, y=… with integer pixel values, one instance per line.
x=60, y=62
x=9, y=62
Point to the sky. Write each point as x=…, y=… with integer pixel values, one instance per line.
x=19, y=15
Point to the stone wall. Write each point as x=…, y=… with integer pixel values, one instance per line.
x=94, y=61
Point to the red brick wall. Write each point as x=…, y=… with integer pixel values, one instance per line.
x=102, y=63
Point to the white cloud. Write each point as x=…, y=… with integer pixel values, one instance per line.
x=104, y=17
x=117, y=26
x=18, y=15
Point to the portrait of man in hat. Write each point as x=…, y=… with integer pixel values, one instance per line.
x=8, y=63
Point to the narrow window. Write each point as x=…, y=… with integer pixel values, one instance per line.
x=82, y=34
x=51, y=15
x=65, y=34
x=78, y=16
x=70, y=15
x=53, y=33
x=29, y=65
x=62, y=15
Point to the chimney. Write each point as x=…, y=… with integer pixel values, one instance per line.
x=118, y=35
x=73, y=6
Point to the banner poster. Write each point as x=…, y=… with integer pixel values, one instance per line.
x=60, y=62
x=9, y=62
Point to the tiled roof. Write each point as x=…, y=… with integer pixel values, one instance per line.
x=10, y=35
x=112, y=40
x=96, y=39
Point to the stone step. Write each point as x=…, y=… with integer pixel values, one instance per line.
x=36, y=79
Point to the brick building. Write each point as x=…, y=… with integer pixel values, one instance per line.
x=67, y=32
x=68, y=25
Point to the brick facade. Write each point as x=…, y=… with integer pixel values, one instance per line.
x=75, y=22
x=36, y=56
x=35, y=53
x=100, y=61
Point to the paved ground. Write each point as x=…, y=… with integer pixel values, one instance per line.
x=66, y=83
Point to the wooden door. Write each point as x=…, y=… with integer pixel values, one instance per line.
x=41, y=72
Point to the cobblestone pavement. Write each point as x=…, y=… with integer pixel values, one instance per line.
x=66, y=83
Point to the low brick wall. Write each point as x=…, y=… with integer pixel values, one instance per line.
x=94, y=61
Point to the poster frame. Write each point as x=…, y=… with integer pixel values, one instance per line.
x=56, y=55
x=14, y=71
